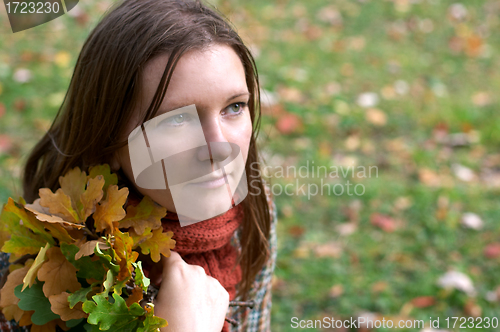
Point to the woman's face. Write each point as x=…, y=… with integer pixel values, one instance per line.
x=199, y=138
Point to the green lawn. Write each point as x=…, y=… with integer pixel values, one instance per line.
x=408, y=87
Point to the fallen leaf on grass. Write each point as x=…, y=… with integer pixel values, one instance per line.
x=423, y=301
x=457, y=280
x=492, y=250
x=472, y=220
x=384, y=222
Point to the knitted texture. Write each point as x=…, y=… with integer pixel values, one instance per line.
x=208, y=244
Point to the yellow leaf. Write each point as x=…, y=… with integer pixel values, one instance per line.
x=30, y=277
x=124, y=254
x=91, y=196
x=111, y=209
x=147, y=214
x=58, y=203
x=13, y=312
x=73, y=185
x=159, y=243
x=59, y=305
x=59, y=274
x=140, y=238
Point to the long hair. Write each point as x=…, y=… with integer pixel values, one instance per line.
x=104, y=92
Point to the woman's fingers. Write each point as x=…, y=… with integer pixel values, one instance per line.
x=189, y=299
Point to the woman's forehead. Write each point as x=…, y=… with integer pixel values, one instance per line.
x=200, y=77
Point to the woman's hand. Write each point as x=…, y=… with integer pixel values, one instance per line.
x=189, y=299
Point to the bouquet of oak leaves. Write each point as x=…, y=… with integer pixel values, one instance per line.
x=74, y=256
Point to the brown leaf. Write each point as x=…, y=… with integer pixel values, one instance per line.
x=14, y=279
x=111, y=209
x=26, y=318
x=135, y=297
x=49, y=327
x=53, y=219
x=59, y=274
x=330, y=249
x=87, y=248
x=59, y=204
x=386, y=223
x=423, y=301
x=92, y=195
x=60, y=305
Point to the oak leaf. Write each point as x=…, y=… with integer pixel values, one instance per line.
x=135, y=297
x=104, y=170
x=124, y=255
x=87, y=248
x=30, y=277
x=60, y=305
x=147, y=214
x=111, y=209
x=59, y=204
x=8, y=300
x=106, y=314
x=159, y=243
x=32, y=298
x=53, y=219
x=91, y=196
x=73, y=185
x=59, y=274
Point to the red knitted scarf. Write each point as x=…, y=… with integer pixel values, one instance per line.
x=208, y=244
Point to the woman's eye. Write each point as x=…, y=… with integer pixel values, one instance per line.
x=177, y=120
x=235, y=108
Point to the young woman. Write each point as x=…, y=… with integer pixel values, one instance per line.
x=145, y=59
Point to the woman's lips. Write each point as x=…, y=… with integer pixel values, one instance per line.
x=212, y=183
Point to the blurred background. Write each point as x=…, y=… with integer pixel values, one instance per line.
x=409, y=88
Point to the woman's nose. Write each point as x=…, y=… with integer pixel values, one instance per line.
x=218, y=148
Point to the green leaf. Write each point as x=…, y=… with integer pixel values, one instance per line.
x=152, y=323
x=28, y=221
x=32, y=298
x=73, y=322
x=106, y=314
x=105, y=171
x=140, y=279
x=107, y=259
x=87, y=268
x=108, y=283
x=80, y=295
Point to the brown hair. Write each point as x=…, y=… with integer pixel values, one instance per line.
x=104, y=91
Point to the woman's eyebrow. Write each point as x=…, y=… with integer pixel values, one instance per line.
x=238, y=95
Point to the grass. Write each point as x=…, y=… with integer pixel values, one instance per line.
x=433, y=74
